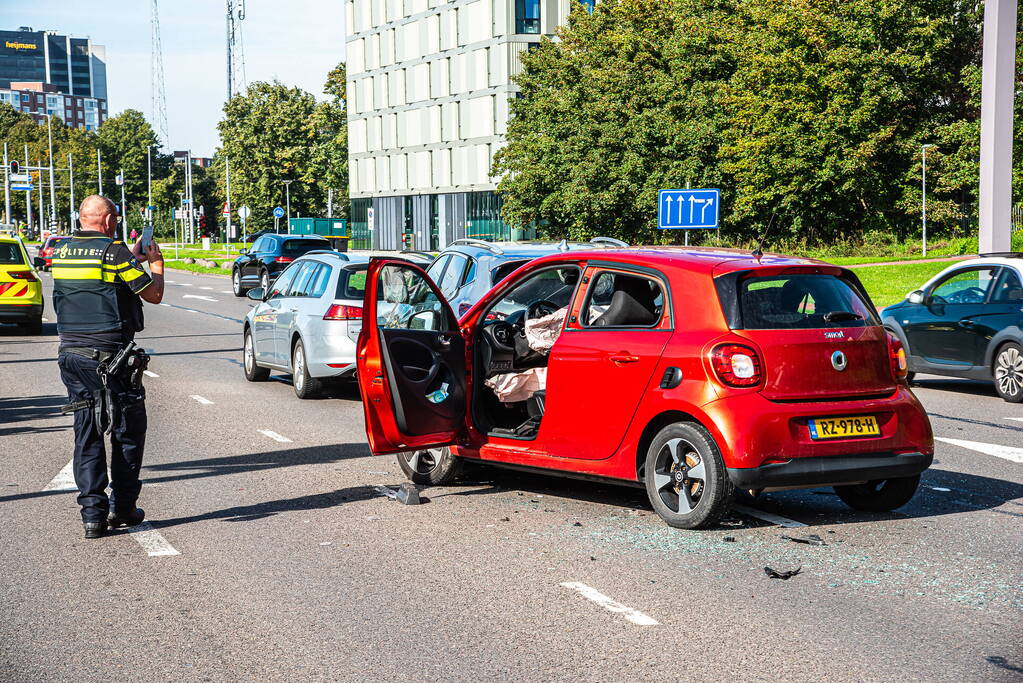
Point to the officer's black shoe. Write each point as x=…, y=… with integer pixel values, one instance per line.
x=95, y=529
x=133, y=518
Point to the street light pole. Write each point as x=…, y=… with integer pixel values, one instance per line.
x=7, y=188
x=287, y=193
x=99, y=169
x=71, y=180
x=28, y=193
x=149, y=178
x=227, y=174
x=124, y=210
x=923, y=150
x=53, y=196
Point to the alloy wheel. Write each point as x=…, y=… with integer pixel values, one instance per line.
x=250, y=354
x=299, y=370
x=423, y=462
x=264, y=282
x=1009, y=371
x=236, y=280
x=679, y=476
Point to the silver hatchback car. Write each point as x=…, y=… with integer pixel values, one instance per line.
x=308, y=323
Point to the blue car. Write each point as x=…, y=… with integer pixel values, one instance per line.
x=967, y=321
x=469, y=268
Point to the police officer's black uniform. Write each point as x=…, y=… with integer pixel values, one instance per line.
x=96, y=281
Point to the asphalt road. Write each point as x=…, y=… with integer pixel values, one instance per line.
x=273, y=559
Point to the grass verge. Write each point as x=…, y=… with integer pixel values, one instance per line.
x=195, y=268
x=889, y=285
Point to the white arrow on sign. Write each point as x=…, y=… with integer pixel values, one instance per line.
x=199, y=296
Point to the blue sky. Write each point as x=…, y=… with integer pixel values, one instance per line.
x=296, y=42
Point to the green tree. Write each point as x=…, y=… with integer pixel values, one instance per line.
x=329, y=126
x=267, y=135
x=124, y=140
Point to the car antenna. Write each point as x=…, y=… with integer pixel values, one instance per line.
x=759, y=251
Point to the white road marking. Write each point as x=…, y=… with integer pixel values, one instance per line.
x=207, y=288
x=171, y=282
x=152, y=541
x=185, y=284
x=149, y=373
x=200, y=399
x=939, y=488
x=65, y=479
x=592, y=594
x=768, y=517
x=274, y=435
x=226, y=291
x=1018, y=419
x=1006, y=452
x=163, y=304
x=200, y=297
x=46, y=320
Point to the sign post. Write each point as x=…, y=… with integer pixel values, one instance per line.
x=243, y=213
x=278, y=215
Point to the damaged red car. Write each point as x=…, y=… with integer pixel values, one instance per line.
x=690, y=372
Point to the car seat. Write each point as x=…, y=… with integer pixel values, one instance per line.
x=631, y=304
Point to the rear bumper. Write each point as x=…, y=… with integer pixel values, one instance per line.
x=811, y=472
x=18, y=313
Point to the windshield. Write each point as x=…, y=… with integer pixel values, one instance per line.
x=805, y=301
x=299, y=247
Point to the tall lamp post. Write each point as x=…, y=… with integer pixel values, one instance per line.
x=287, y=193
x=923, y=151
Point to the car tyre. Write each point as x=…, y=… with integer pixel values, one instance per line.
x=1008, y=372
x=910, y=377
x=685, y=477
x=306, y=386
x=236, y=282
x=881, y=495
x=264, y=281
x=430, y=467
x=253, y=372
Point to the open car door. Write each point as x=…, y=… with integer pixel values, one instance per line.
x=411, y=361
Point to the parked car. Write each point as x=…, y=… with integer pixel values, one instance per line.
x=253, y=236
x=47, y=248
x=269, y=255
x=307, y=323
x=967, y=321
x=21, y=292
x=468, y=268
x=692, y=372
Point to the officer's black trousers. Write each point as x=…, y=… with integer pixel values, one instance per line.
x=127, y=440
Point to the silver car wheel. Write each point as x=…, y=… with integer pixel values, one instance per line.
x=1009, y=371
x=250, y=354
x=264, y=282
x=680, y=476
x=423, y=462
x=299, y=368
x=236, y=280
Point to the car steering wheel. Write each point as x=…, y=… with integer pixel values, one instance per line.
x=541, y=308
x=976, y=295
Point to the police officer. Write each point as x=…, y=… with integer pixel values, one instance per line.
x=97, y=286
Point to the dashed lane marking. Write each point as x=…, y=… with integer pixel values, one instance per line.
x=149, y=373
x=200, y=399
x=201, y=297
x=1017, y=419
x=65, y=479
x=593, y=595
x=768, y=517
x=226, y=291
x=1005, y=452
x=163, y=304
x=152, y=541
x=274, y=435
x=207, y=288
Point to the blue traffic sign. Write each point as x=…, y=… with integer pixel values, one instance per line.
x=20, y=187
x=688, y=209
x=278, y=212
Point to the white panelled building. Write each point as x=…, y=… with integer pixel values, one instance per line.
x=429, y=86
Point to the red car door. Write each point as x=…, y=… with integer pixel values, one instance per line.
x=411, y=361
x=603, y=362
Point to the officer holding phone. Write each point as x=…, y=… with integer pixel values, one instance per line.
x=98, y=288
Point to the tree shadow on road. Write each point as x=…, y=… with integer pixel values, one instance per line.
x=959, y=386
x=22, y=408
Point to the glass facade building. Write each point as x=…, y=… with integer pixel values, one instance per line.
x=429, y=87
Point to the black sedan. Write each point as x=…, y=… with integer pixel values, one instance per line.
x=967, y=321
x=269, y=255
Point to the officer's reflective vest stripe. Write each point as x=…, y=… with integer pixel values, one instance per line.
x=85, y=289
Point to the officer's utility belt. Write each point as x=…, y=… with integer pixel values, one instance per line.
x=126, y=365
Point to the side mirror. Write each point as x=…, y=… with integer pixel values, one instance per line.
x=243, y=252
x=425, y=320
x=916, y=297
x=39, y=262
x=256, y=294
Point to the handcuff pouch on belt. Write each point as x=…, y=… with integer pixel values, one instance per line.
x=127, y=365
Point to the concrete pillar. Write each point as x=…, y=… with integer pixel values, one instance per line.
x=996, y=125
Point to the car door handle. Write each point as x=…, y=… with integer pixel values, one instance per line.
x=621, y=359
x=967, y=323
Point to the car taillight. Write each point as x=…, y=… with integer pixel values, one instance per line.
x=341, y=312
x=897, y=356
x=283, y=259
x=736, y=365
x=23, y=275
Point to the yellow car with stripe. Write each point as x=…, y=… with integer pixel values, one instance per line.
x=21, y=291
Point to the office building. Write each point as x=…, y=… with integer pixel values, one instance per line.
x=429, y=88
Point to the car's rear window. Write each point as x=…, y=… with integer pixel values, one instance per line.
x=10, y=254
x=801, y=301
x=299, y=247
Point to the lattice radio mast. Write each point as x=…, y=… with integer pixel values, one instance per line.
x=159, y=90
x=235, y=49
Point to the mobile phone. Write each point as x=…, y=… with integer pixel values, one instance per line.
x=147, y=238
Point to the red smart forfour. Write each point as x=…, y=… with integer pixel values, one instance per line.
x=692, y=372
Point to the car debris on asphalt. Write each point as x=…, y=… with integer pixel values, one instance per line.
x=783, y=575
